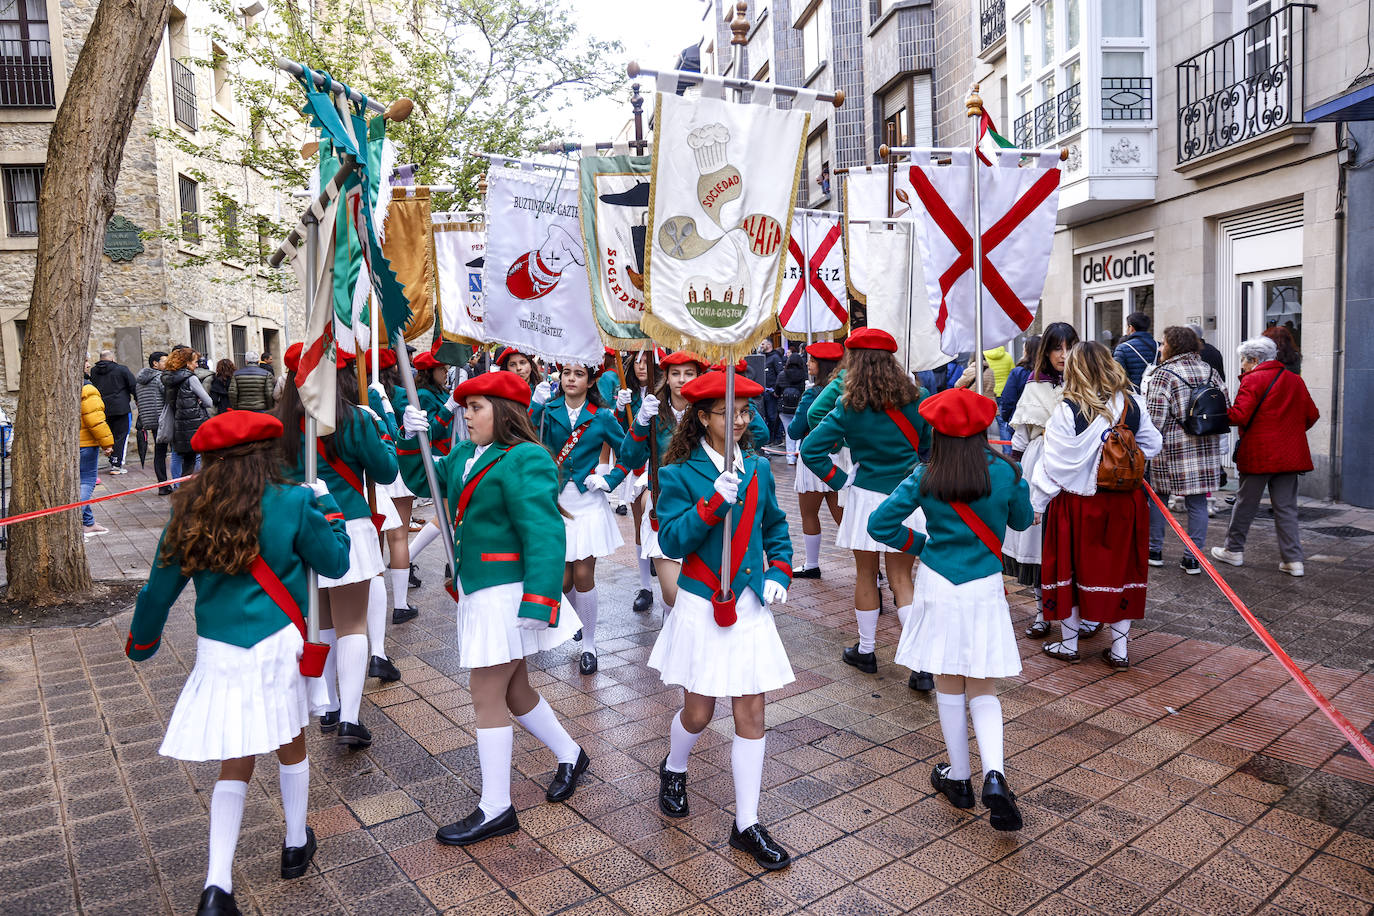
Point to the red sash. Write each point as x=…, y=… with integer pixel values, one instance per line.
x=696, y=567
x=903, y=424
x=313, y=655
x=576, y=436
x=979, y=528
x=346, y=473
x=465, y=497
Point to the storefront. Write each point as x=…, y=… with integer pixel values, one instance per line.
x=1115, y=279
x=1260, y=277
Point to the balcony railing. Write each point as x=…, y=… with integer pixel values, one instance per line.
x=184, y=96
x=26, y=74
x=1023, y=133
x=1044, y=121
x=1127, y=98
x=1244, y=86
x=1070, y=109
x=993, y=20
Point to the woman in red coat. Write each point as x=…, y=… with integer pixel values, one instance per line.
x=1272, y=413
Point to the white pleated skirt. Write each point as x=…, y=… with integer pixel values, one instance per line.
x=397, y=489
x=241, y=702
x=489, y=632
x=649, y=548
x=364, y=554
x=959, y=629
x=592, y=530
x=853, y=531
x=1025, y=546
x=806, y=480
x=712, y=661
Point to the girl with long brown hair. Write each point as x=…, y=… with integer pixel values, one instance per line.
x=246, y=694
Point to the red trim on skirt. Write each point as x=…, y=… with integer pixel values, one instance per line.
x=1095, y=556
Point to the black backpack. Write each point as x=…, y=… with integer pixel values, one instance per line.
x=1206, y=412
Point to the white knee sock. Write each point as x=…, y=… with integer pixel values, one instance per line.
x=226, y=813
x=585, y=603
x=542, y=722
x=682, y=743
x=813, y=550
x=493, y=752
x=1120, y=634
x=746, y=765
x=422, y=540
x=868, y=629
x=954, y=724
x=903, y=613
x=352, y=673
x=646, y=579
x=1068, y=630
x=331, y=667
x=294, y=779
x=400, y=587
x=986, y=712
x=376, y=617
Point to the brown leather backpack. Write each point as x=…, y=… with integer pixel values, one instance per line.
x=1122, y=465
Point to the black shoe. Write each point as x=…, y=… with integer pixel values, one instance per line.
x=403, y=614
x=383, y=669
x=643, y=601
x=766, y=851
x=672, y=791
x=167, y=491
x=867, y=662
x=813, y=573
x=958, y=791
x=565, y=778
x=1156, y=558
x=448, y=572
x=587, y=664
x=921, y=680
x=354, y=735
x=474, y=828
x=1000, y=802
x=216, y=902
x=414, y=579
x=296, y=859
x=622, y=510
x=1190, y=565
x=329, y=721
x=653, y=570
x=577, y=637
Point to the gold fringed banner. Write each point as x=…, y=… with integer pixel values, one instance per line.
x=409, y=246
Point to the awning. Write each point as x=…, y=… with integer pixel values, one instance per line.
x=1355, y=105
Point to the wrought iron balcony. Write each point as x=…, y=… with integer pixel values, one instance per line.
x=993, y=20
x=184, y=96
x=1023, y=133
x=1070, y=109
x=1127, y=98
x=1045, y=122
x=26, y=74
x=1246, y=85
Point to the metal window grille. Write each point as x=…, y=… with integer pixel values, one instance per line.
x=1127, y=98
x=1023, y=130
x=1045, y=122
x=184, y=96
x=26, y=77
x=229, y=230
x=993, y=21
x=200, y=338
x=190, y=210
x=1070, y=109
x=23, y=184
x=239, y=335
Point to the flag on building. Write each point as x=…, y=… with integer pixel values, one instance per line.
x=816, y=302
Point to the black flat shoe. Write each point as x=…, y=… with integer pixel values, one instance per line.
x=672, y=791
x=756, y=841
x=867, y=662
x=165, y=491
x=296, y=859
x=1000, y=802
x=403, y=614
x=414, y=579
x=354, y=735
x=565, y=778
x=1039, y=629
x=1119, y=662
x=577, y=637
x=643, y=601
x=587, y=665
x=958, y=791
x=475, y=828
x=622, y=510
x=383, y=669
x=329, y=721
x=813, y=573
x=923, y=681
x=216, y=902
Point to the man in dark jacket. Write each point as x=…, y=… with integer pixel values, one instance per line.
x=1136, y=351
x=772, y=368
x=148, y=395
x=251, y=386
x=116, y=386
x=1210, y=354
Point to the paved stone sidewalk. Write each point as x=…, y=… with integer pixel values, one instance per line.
x=1201, y=780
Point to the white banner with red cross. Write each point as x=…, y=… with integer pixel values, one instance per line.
x=815, y=299
x=1018, y=212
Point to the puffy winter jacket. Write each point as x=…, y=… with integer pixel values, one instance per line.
x=791, y=383
x=1135, y=352
x=116, y=386
x=251, y=389
x=148, y=396
x=1001, y=362
x=188, y=405
x=94, y=430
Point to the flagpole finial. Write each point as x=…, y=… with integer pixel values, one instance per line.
x=974, y=106
x=839, y=98
x=883, y=151
x=739, y=27
x=399, y=110
x=310, y=149
x=633, y=69
x=482, y=184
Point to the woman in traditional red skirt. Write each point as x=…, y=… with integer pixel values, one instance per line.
x=1093, y=567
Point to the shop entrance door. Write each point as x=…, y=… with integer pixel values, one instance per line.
x=1268, y=299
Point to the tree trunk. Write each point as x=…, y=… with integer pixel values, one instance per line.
x=46, y=562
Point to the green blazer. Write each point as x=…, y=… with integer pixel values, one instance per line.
x=824, y=401
x=877, y=444
x=361, y=448
x=586, y=455
x=297, y=533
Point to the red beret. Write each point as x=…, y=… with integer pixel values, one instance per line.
x=711, y=386
x=388, y=358
x=235, y=427
x=740, y=366
x=683, y=358
x=506, y=354
x=826, y=349
x=424, y=362
x=871, y=339
x=959, y=412
x=292, y=357
x=506, y=385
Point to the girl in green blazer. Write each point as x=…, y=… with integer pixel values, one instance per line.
x=822, y=358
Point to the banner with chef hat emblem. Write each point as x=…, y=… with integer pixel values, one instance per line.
x=615, y=220
x=534, y=282
x=459, y=254
x=720, y=215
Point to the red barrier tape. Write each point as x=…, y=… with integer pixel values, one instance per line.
x=39, y=513
x=1352, y=734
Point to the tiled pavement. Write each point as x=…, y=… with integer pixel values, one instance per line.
x=1199, y=781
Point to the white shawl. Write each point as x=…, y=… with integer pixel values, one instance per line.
x=1033, y=410
x=1069, y=461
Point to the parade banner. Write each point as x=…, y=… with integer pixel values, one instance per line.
x=408, y=244
x=1018, y=210
x=615, y=219
x=316, y=375
x=720, y=213
x=897, y=299
x=533, y=283
x=459, y=255
x=816, y=301
x=865, y=199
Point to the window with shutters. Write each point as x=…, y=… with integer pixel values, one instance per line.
x=22, y=184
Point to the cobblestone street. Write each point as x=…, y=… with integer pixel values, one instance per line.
x=1201, y=780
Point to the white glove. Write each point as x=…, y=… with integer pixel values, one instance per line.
x=495, y=368
x=773, y=592
x=451, y=404
x=414, y=421
x=596, y=482
x=381, y=394
x=623, y=397
x=810, y=384
x=319, y=487
x=532, y=623
x=727, y=485
x=543, y=391
x=648, y=409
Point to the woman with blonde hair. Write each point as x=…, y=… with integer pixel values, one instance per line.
x=1096, y=540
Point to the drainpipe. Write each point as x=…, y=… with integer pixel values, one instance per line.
x=1338, y=324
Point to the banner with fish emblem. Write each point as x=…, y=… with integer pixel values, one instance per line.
x=720, y=214
x=459, y=249
x=816, y=301
x=615, y=220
